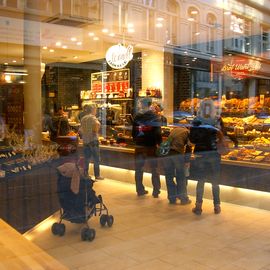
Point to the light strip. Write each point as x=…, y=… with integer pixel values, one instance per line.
x=16, y=73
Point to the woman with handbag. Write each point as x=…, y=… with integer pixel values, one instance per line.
x=175, y=163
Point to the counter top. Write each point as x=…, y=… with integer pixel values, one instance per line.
x=246, y=164
x=16, y=252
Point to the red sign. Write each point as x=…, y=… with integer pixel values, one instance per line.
x=241, y=67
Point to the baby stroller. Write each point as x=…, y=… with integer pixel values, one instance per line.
x=81, y=205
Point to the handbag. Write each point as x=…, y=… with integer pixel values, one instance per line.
x=164, y=148
x=222, y=145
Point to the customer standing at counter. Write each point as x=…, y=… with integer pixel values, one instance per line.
x=146, y=133
x=205, y=138
x=89, y=130
x=175, y=163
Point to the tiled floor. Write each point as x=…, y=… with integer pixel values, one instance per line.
x=151, y=234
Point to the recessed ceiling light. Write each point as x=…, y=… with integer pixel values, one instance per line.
x=91, y=34
x=73, y=39
x=112, y=34
x=159, y=25
x=58, y=43
x=64, y=46
x=51, y=50
x=105, y=30
x=79, y=43
x=95, y=38
x=160, y=19
x=44, y=47
x=14, y=61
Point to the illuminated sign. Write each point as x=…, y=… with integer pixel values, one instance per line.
x=118, y=56
x=241, y=68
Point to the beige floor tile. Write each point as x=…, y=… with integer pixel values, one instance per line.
x=151, y=234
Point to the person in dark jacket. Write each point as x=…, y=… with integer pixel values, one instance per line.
x=146, y=134
x=207, y=163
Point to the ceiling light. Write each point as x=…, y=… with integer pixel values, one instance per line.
x=73, y=39
x=95, y=38
x=64, y=46
x=58, y=43
x=112, y=34
x=191, y=19
x=160, y=19
x=131, y=30
x=79, y=43
x=159, y=25
x=91, y=34
x=51, y=50
x=44, y=47
x=7, y=78
x=194, y=12
x=130, y=25
x=227, y=13
x=14, y=61
x=105, y=30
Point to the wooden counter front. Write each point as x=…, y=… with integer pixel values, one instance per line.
x=16, y=252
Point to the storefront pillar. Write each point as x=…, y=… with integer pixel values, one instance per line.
x=32, y=86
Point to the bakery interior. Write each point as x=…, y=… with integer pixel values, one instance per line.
x=45, y=64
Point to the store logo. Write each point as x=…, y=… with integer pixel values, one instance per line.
x=118, y=56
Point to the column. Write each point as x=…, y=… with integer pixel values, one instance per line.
x=32, y=87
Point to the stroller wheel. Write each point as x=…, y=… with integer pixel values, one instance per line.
x=58, y=229
x=61, y=229
x=54, y=228
x=110, y=220
x=103, y=220
x=88, y=234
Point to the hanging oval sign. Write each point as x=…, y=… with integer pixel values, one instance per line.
x=118, y=56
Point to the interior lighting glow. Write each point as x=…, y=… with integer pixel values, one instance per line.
x=95, y=38
x=131, y=30
x=160, y=19
x=79, y=43
x=64, y=46
x=73, y=39
x=194, y=12
x=44, y=47
x=130, y=25
x=58, y=44
x=51, y=50
x=159, y=25
x=6, y=63
x=91, y=34
x=112, y=34
x=191, y=19
x=75, y=57
x=7, y=78
x=197, y=33
x=105, y=30
x=227, y=13
x=14, y=61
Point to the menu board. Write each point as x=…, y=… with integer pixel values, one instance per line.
x=111, y=82
x=96, y=82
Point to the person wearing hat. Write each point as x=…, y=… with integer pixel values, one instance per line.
x=146, y=134
x=89, y=130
